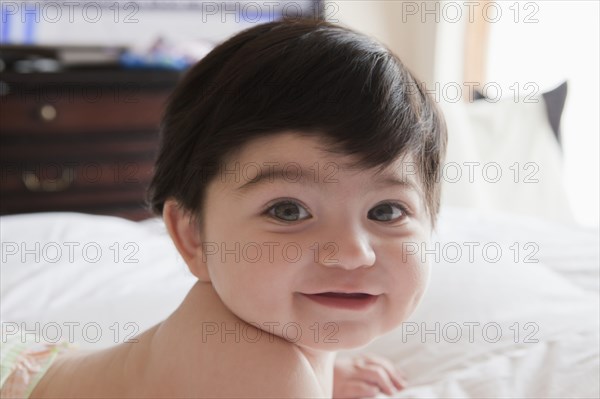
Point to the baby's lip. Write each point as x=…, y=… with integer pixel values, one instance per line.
x=343, y=292
x=349, y=295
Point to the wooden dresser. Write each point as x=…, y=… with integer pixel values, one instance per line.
x=81, y=141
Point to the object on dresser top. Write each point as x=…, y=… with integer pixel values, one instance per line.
x=40, y=59
x=162, y=53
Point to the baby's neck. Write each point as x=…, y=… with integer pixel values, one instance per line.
x=322, y=363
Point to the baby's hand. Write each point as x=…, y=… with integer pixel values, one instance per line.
x=365, y=376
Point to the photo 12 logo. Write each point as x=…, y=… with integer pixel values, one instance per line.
x=268, y=251
x=69, y=252
x=471, y=252
x=470, y=331
x=69, y=12
x=470, y=11
x=69, y=331
x=253, y=332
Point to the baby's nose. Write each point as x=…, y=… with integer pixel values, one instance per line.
x=348, y=249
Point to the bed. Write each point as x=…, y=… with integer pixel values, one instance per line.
x=521, y=321
x=512, y=308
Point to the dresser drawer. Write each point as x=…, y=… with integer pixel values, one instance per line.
x=80, y=142
x=40, y=147
x=58, y=115
x=71, y=174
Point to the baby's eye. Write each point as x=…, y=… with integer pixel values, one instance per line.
x=387, y=211
x=288, y=211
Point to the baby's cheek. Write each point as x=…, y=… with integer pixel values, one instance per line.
x=414, y=270
x=408, y=281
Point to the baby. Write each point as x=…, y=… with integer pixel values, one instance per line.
x=297, y=160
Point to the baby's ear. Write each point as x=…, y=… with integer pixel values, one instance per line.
x=185, y=234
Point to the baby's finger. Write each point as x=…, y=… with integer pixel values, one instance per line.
x=395, y=375
x=378, y=376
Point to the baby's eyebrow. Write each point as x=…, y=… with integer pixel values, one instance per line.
x=307, y=176
x=392, y=180
x=295, y=174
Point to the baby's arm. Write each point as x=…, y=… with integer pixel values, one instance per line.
x=365, y=376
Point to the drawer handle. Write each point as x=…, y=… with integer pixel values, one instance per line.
x=34, y=184
x=48, y=113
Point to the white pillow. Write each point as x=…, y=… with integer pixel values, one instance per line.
x=504, y=156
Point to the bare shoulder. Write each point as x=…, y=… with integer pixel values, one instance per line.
x=232, y=358
x=266, y=368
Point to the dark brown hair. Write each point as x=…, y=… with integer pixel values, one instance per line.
x=308, y=76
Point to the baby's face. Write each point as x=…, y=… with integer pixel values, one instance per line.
x=317, y=257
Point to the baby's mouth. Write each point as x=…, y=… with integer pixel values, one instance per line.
x=344, y=300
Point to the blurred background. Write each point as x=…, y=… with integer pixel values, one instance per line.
x=83, y=84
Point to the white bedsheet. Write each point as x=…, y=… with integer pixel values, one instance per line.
x=526, y=329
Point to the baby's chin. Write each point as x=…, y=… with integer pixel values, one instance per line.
x=348, y=335
x=340, y=336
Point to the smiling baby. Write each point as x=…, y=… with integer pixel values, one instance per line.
x=296, y=160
